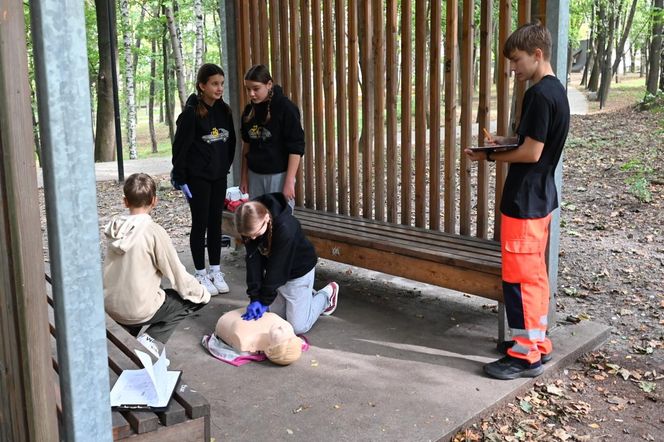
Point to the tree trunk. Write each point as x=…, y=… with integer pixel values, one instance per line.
x=137, y=45
x=591, y=48
x=605, y=62
x=167, y=91
x=620, y=49
x=655, y=47
x=177, y=55
x=153, y=73
x=130, y=89
x=593, y=82
x=105, y=133
x=198, y=48
x=632, y=64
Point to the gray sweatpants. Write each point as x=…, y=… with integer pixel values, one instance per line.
x=297, y=303
x=260, y=184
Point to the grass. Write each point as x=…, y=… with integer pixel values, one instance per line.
x=143, y=144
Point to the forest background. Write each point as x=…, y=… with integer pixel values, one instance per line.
x=159, y=45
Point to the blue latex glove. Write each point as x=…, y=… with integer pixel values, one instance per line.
x=186, y=191
x=255, y=310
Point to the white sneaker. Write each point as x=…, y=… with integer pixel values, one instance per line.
x=150, y=344
x=218, y=281
x=332, y=292
x=207, y=283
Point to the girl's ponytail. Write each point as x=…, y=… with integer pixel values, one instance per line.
x=201, y=110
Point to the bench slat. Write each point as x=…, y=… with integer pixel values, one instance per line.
x=414, y=245
x=303, y=213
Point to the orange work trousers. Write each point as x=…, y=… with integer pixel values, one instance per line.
x=526, y=285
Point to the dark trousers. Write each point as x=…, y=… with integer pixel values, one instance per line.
x=170, y=314
x=207, y=205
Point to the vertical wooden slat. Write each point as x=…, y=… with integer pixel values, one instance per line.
x=307, y=103
x=451, y=62
x=328, y=89
x=275, y=54
x=406, y=93
x=466, y=114
x=504, y=28
x=484, y=116
x=255, y=33
x=342, y=133
x=264, y=36
x=284, y=48
x=519, y=85
x=353, y=106
x=243, y=46
x=434, y=112
x=296, y=88
x=379, y=109
x=391, y=82
x=317, y=87
x=420, y=114
x=367, y=109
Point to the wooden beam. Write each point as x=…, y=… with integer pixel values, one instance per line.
x=406, y=113
x=28, y=410
x=307, y=104
x=467, y=88
x=342, y=131
x=353, y=106
x=484, y=116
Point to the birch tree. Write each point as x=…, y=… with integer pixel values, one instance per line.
x=130, y=90
x=177, y=55
x=200, y=29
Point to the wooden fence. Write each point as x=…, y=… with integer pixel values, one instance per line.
x=355, y=67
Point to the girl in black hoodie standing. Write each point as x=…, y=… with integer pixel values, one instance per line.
x=273, y=138
x=203, y=151
x=281, y=264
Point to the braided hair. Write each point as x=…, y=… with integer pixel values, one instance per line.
x=249, y=218
x=260, y=74
x=206, y=71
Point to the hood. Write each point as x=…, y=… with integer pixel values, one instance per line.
x=192, y=100
x=122, y=232
x=276, y=203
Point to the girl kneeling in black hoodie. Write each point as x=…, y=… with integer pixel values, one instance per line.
x=281, y=264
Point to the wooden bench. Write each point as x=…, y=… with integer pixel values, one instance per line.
x=467, y=264
x=187, y=417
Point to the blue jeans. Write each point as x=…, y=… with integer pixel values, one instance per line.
x=298, y=304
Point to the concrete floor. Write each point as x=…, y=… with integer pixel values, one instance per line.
x=398, y=360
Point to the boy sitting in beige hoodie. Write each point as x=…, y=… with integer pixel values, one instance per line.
x=139, y=254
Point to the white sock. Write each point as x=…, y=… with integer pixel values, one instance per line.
x=215, y=269
x=201, y=272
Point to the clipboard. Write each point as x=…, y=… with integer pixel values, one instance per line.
x=494, y=148
x=149, y=388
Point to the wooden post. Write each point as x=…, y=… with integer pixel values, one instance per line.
x=284, y=49
x=342, y=132
x=378, y=59
x=420, y=114
x=307, y=105
x=484, y=116
x=317, y=89
x=26, y=381
x=391, y=80
x=466, y=114
x=255, y=33
x=275, y=68
x=353, y=105
x=451, y=64
x=406, y=117
x=296, y=89
x=434, y=112
x=328, y=90
x=367, y=109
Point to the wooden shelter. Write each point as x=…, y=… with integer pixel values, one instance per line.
x=338, y=61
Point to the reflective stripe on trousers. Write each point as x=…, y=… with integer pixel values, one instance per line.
x=526, y=284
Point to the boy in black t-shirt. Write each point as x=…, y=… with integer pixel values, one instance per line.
x=529, y=197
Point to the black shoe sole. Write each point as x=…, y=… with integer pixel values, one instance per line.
x=503, y=346
x=527, y=373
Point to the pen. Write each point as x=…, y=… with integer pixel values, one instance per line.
x=487, y=135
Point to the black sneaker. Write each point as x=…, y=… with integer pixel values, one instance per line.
x=513, y=368
x=503, y=346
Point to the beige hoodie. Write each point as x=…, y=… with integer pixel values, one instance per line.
x=139, y=253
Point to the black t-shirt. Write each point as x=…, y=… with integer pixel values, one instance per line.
x=530, y=189
x=271, y=142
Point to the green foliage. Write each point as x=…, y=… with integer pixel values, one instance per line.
x=638, y=179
